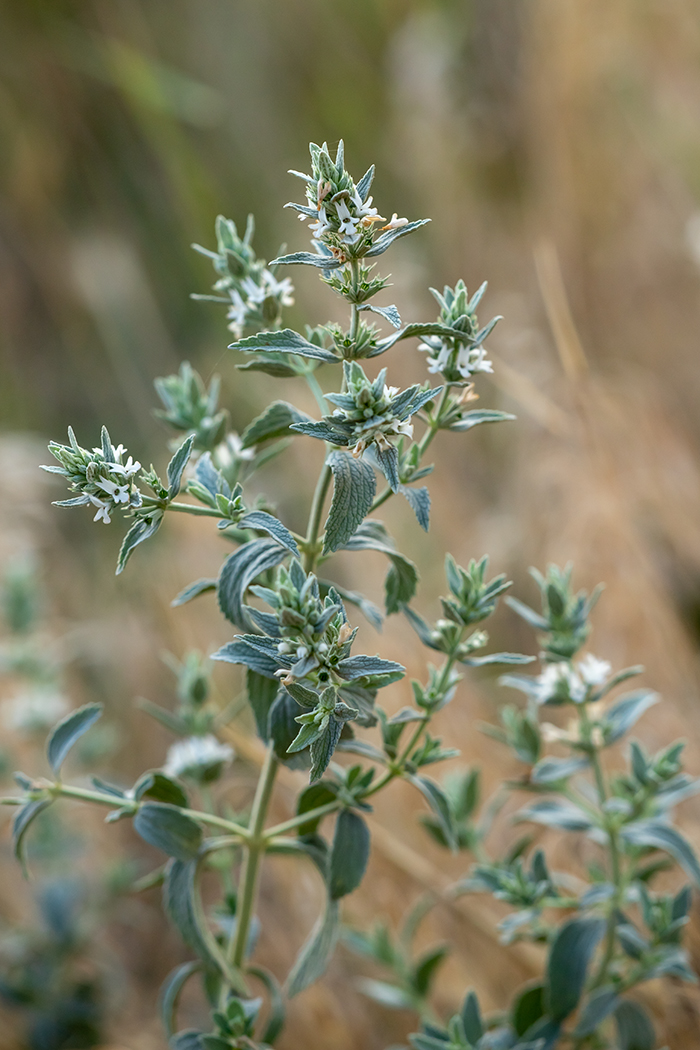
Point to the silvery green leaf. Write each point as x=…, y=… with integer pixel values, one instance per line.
x=524, y=683
x=170, y=993
x=323, y=746
x=68, y=731
x=238, y=572
x=388, y=461
x=389, y=313
x=324, y=262
x=484, y=415
x=189, y=1040
x=210, y=478
x=528, y=614
x=335, y=434
x=176, y=466
x=570, y=954
x=471, y=1018
x=625, y=712
x=421, y=627
x=485, y=332
x=158, y=787
x=368, y=609
x=20, y=825
x=599, y=1005
x=363, y=186
x=354, y=488
x=140, y=531
x=277, y=1007
x=240, y=651
x=193, y=590
x=349, y=854
x=655, y=834
x=386, y=239
x=417, y=330
x=617, y=679
x=313, y=958
x=165, y=827
x=554, y=814
x=273, y=422
x=419, y=502
x=76, y=501
x=108, y=789
x=497, y=658
x=389, y=995
x=262, y=692
x=549, y=770
x=634, y=1028
x=631, y=940
x=286, y=341
x=264, y=522
x=271, y=364
x=361, y=747
x=179, y=902
x=361, y=666
x=107, y=449
x=437, y=800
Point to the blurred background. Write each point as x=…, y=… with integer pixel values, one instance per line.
x=556, y=146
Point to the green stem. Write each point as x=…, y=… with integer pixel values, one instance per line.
x=255, y=847
x=315, y=388
x=302, y=818
x=355, y=314
x=310, y=545
x=191, y=508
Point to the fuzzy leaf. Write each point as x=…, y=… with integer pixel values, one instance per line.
x=283, y=729
x=360, y=666
x=386, y=239
x=497, y=658
x=549, y=770
x=554, y=814
x=312, y=797
x=314, y=956
x=193, y=590
x=176, y=466
x=140, y=531
x=323, y=746
x=20, y=825
x=354, y=488
x=261, y=520
x=657, y=835
x=274, y=422
x=324, y=262
x=419, y=502
x=180, y=906
x=286, y=341
x=349, y=854
x=165, y=827
x=388, y=461
x=389, y=313
x=484, y=415
x=634, y=1028
x=567, y=965
x=240, y=651
x=68, y=731
x=437, y=800
x=170, y=993
x=238, y=572
x=625, y=712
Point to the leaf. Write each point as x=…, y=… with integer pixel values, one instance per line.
x=354, y=488
x=657, y=835
x=549, y=770
x=238, y=572
x=426, y=967
x=260, y=519
x=386, y=239
x=324, y=262
x=312, y=797
x=471, y=1018
x=634, y=1028
x=165, y=827
x=277, y=1012
x=368, y=609
x=176, y=466
x=349, y=854
x=189, y=1040
x=389, y=313
x=274, y=422
x=283, y=729
x=271, y=364
x=20, y=825
x=286, y=341
x=567, y=965
x=498, y=658
x=484, y=415
x=240, y=651
x=262, y=692
x=315, y=954
x=68, y=731
x=528, y=1008
x=388, y=461
x=437, y=800
x=361, y=666
x=170, y=993
x=389, y=995
x=625, y=712
x=600, y=1004
x=323, y=746
x=554, y=814
x=193, y=590
x=140, y=531
x=158, y=787
x=419, y=502
x=527, y=614
x=180, y=906
x=402, y=578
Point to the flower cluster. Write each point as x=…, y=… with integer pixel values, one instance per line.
x=458, y=354
x=200, y=758
x=560, y=683
x=101, y=477
x=254, y=296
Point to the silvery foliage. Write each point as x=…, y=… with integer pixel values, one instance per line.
x=311, y=695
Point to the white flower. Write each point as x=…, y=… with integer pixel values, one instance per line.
x=559, y=682
x=321, y=226
x=199, y=757
x=103, y=510
x=237, y=314
x=281, y=290
x=348, y=225
x=118, y=493
x=395, y=222
x=594, y=671
x=126, y=470
x=33, y=710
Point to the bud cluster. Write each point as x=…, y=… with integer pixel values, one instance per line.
x=460, y=354
x=191, y=408
x=101, y=477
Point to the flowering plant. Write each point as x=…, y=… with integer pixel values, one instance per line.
x=312, y=696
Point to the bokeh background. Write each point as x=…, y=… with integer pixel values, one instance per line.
x=556, y=146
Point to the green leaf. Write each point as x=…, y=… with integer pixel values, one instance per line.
x=389, y=313
x=527, y=614
x=284, y=728
x=528, y=1008
x=193, y=590
x=324, y=262
x=262, y=692
x=550, y=770
x=497, y=658
x=176, y=466
x=437, y=800
x=657, y=835
x=20, y=825
x=170, y=993
x=634, y=1028
x=179, y=902
x=419, y=502
x=274, y=422
x=314, y=956
x=368, y=609
x=312, y=797
x=271, y=364
x=388, y=462
x=323, y=746
x=600, y=1004
x=386, y=239
x=389, y=995
x=473, y=419
x=277, y=1011
x=140, y=531
x=189, y=1040
x=165, y=827
x=354, y=488
x=260, y=519
x=240, y=651
x=354, y=667
x=425, y=969
x=68, y=731
x=349, y=854
x=625, y=712
x=554, y=814
x=238, y=572
x=471, y=1018
x=567, y=965
x=158, y=787
x=286, y=341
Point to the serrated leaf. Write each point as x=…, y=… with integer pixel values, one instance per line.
x=241, y=652
x=419, y=502
x=64, y=735
x=634, y=1028
x=388, y=461
x=273, y=422
x=170, y=993
x=570, y=954
x=354, y=488
x=21, y=822
x=478, y=416
x=314, y=956
x=657, y=835
x=360, y=666
x=389, y=313
x=261, y=520
x=140, y=531
x=349, y=854
x=176, y=466
x=165, y=827
x=285, y=341
x=238, y=572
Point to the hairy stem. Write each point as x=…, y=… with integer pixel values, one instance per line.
x=310, y=545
